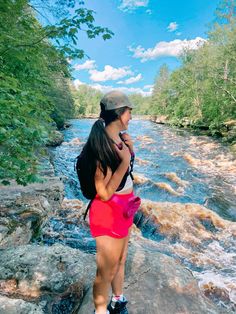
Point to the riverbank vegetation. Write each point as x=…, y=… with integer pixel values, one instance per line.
x=35, y=77
x=202, y=91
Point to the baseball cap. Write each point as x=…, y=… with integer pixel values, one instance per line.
x=115, y=99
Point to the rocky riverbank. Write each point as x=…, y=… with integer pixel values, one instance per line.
x=58, y=279
x=226, y=131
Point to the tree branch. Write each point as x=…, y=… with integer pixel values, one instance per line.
x=225, y=90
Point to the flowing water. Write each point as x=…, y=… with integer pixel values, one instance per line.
x=188, y=184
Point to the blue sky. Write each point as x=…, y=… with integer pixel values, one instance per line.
x=147, y=35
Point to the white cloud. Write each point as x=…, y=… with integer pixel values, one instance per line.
x=148, y=86
x=132, y=90
x=145, y=91
x=172, y=26
x=131, y=79
x=102, y=88
x=124, y=89
x=87, y=65
x=109, y=73
x=77, y=83
x=173, y=48
x=130, y=5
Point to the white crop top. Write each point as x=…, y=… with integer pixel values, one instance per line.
x=128, y=184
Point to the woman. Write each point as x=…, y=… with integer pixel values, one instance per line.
x=113, y=154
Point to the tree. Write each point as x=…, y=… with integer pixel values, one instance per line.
x=34, y=79
x=159, y=94
x=203, y=87
x=87, y=100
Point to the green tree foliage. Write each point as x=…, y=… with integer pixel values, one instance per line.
x=141, y=104
x=160, y=91
x=86, y=100
x=35, y=78
x=203, y=88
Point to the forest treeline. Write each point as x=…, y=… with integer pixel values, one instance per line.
x=203, y=89
x=35, y=77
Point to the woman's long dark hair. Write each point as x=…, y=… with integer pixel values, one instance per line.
x=99, y=147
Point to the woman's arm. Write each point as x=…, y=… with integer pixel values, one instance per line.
x=106, y=186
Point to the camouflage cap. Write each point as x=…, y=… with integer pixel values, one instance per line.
x=115, y=99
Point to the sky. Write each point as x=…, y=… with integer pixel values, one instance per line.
x=147, y=34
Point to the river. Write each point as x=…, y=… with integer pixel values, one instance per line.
x=192, y=181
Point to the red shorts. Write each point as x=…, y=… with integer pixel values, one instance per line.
x=106, y=217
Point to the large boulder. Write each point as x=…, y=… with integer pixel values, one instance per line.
x=59, y=279
x=18, y=306
x=55, y=138
x=156, y=283
x=24, y=210
x=53, y=278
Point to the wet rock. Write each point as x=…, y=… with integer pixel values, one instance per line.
x=233, y=149
x=55, y=138
x=74, y=142
x=46, y=168
x=66, y=125
x=231, y=136
x=56, y=276
x=230, y=124
x=156, y=283
x=18, y=306
x=159, y=119
x=24, y=210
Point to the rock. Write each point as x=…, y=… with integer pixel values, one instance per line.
x=56, y=276
x=46, y=168
x=233, y=148
x=55, y=138
x=156, y=283
x=59, y=279
x=67, y=124
x=229, y=124
x=161, y=119
x=74, y=142
x=18, y=306
x=25, y=209
x=231, y=135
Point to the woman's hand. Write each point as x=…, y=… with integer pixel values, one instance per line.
x=123, y=152
x=128, y=141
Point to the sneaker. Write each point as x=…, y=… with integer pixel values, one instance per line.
x=119, y=307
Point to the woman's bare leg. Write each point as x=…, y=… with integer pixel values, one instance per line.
x=118, y=280
x=109, y=252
